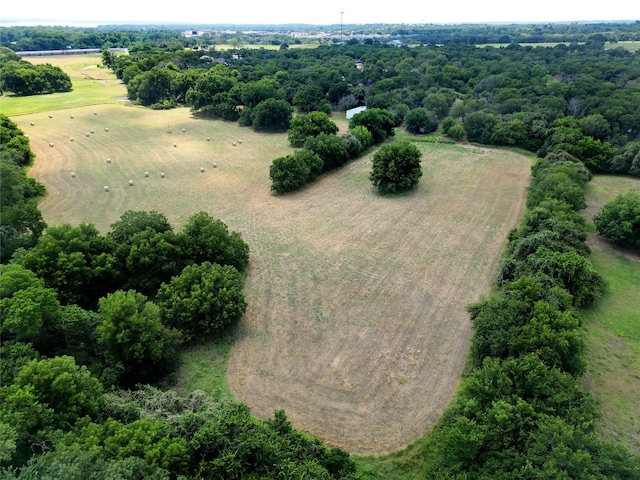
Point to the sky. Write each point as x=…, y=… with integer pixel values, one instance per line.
x=323, y=12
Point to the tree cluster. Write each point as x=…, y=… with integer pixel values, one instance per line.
x=24, y=78
x=322, y=149
x=76, y=287
x=21, y=222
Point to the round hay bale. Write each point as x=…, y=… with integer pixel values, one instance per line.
x=214, y=165
x=95, y=113
x=32, y=124
x=162, y=175
x=50, y=144
x=146, y=174
x=73, y=174
x=208, y=139
x=72, y=117
x=175, y=144
x=106, y=129
x=239, y=141
x=233, y=143
x=106, y=188
x=71, y=139
x=92, y=131
x=50, y=116
x=184, y=130
x=131, y=183
x=108, y=160
x=87, y=134
x=201, y=169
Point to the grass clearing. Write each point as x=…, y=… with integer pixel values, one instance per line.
x=92, y=85
x=355, y=323
x=613, y=325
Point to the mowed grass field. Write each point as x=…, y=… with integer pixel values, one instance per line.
x=92, y=85
x=613, y=325
x=356, y=321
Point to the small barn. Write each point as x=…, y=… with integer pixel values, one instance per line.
x=352, y=111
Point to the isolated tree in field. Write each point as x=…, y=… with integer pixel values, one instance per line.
x=396, y=168
x=619, y=219
x=309, y=125
x=203, y=300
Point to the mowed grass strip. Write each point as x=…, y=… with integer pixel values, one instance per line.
x=612, y=325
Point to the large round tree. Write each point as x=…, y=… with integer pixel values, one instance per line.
x=203, y=300
x=396, y=168
x=619, y=219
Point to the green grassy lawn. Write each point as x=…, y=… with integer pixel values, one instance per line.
x=612, y=325
x=204, y=367
x=613, y=334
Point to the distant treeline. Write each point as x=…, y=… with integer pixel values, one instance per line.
x=57, y=38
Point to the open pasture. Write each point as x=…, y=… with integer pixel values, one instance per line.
x=139, y=141
x=356, y=323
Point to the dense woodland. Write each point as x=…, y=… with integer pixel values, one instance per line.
x=92, y=324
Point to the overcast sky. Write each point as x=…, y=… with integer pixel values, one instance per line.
x=322, y=12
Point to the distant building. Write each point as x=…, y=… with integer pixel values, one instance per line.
x=351, y=112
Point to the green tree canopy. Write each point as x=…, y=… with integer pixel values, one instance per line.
x=133, y=336
x=271, y=114
x=619, y=219
x=396, y=168
x=205, y=239
x=377, y=121
x=76, y=261
x=203, y=300
x=68, y=389
x=292, y=172
x=309, y=125
x=420, y=120
x=28, y=309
